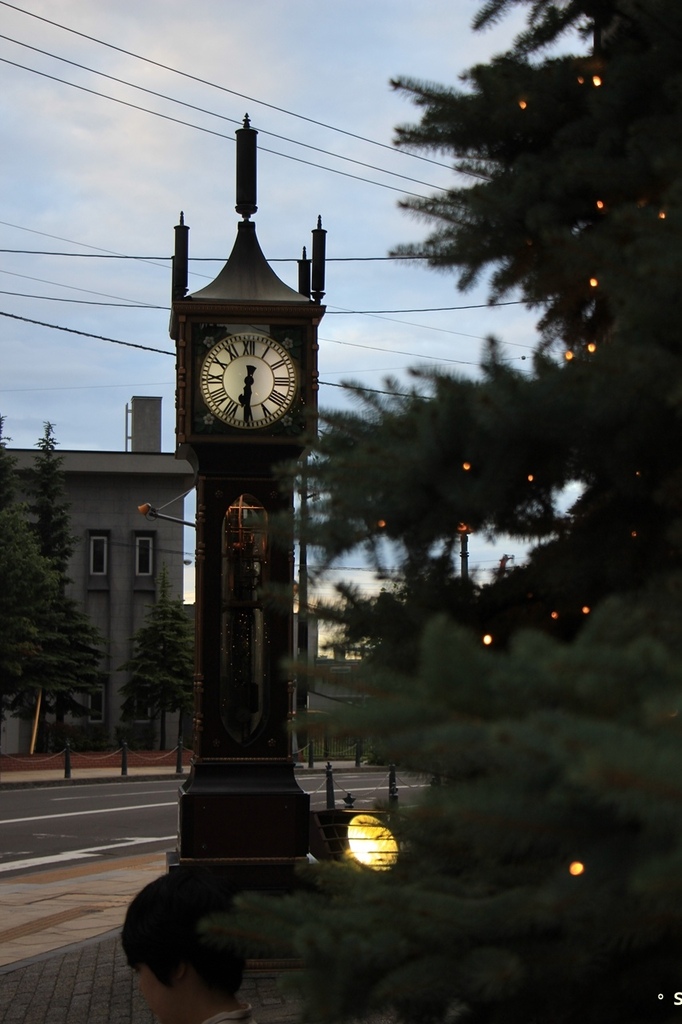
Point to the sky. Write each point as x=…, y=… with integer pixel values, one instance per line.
x=94, y=175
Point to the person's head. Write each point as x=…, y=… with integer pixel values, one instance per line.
x=161, y=929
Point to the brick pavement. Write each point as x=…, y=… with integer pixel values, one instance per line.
x=92, y=984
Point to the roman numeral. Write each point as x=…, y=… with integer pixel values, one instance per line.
x=249, y=346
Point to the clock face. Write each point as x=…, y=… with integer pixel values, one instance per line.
x=248, y=380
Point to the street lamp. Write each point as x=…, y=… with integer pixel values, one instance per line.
x=348, y=835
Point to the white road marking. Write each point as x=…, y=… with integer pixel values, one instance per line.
x=78, y=814
x=88, y=796
x=93, y=851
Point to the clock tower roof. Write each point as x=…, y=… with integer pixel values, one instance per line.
x=247, y=276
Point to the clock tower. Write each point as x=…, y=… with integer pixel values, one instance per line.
x=246, y=404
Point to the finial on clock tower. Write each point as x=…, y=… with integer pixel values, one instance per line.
x=246, y=169
x=180, y=259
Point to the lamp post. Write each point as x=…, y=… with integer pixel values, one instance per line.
x=463, y=531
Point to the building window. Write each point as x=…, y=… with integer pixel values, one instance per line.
x=96, y=701
x=99, y=554
x=144, y=556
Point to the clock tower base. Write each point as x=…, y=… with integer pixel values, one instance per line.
x=230, y=814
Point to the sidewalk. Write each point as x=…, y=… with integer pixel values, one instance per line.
x=62, y=962
x=60, y=957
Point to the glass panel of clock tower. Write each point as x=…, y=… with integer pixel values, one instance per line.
x=242, y=660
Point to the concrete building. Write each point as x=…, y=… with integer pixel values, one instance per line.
x=119, y=552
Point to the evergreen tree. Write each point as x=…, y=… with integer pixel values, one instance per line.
x=27, y=583
x=539, y=884
x=162, y=664
x=67, y=661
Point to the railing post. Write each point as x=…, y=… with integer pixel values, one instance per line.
x=124, y=758
x=178, y=759
x=358, y=753
x=311, y=752
x=67, y=760
x=392, y=787
x=330, y=786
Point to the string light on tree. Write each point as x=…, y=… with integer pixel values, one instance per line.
x=576, y=868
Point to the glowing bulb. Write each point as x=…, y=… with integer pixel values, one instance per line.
x=633, y=533
x=591, y=347
x=581, y=80
x=530, y=478
x=487, y=639
x=593, y=282
x=600, y=204
x=576, y=868
x=555, y=615
x=586, y=609
x=523, y=104
x=466, y=465
x=661, y=214
x=371, y=843
x=596, y=80
x=568, y=356
x=381, y=523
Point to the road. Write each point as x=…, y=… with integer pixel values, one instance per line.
x=52, y=825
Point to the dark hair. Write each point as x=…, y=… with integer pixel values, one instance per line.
x=161, y=928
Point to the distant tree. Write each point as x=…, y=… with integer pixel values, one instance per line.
x=67, y=662
x=28, y=584
x=162, y=665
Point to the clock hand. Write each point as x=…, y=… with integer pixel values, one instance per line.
x=245, y=398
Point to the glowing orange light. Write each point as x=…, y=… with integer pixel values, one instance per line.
x=466, y=465
x=530, y=478
x=591, y=347
x=596, y=80
x=576, y=867
x=555, y=615
x=381, y=523
x=581, y=80
x=661, y=214
x=523, y=104
x=568, y=356
x=600, y=204
x=633, y=533
x=487, y=639
x=593, y=282
x=586, y=609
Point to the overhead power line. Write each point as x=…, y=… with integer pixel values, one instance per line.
x=212, y=113
x=206, y=131
x=231, y=92
x=87, y=334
